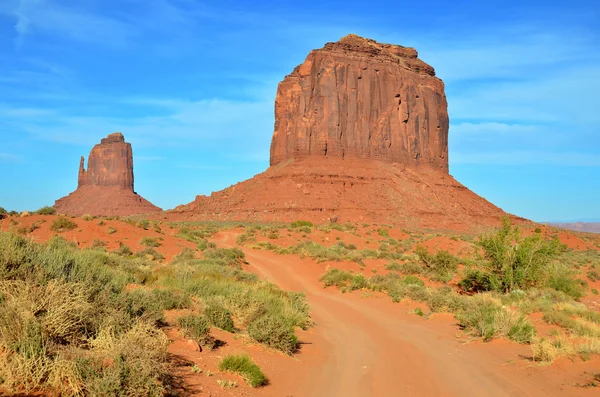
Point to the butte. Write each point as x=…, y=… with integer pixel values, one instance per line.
x=106, y=187
x=361, y=135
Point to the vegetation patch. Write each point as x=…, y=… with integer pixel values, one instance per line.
x=245, y=367
x=62, y=224
x=46, y=211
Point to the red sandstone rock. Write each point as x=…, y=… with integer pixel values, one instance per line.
x=110, y=164
x=106, y=187
x=359, y=98
x=361, y=135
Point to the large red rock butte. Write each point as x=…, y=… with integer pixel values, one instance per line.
x=106, y=187
x=359, y=98
x=361, y=135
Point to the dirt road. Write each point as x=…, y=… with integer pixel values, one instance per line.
x=374, y=351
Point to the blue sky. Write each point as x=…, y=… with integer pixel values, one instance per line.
x=192, y=85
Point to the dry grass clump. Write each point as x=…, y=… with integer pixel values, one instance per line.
x=62, y=224
x=68, y=328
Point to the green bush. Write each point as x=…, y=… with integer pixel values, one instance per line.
x=220, y=317
x=151, y=254
x=476, y=280
x=442, y=263
x=299, y=224
x=150, y=242
x=488, y=320
x=225, y=256
x=383, y=232
x=46, y=211
x=570, y=286
x=3, y=213
x=124, y=250
x=593, y=275
x=62, y=224
x=519, y=262
x=274, y=331
x=406, y=268
x=197, y=328
x=144, y=224
x=245, y=367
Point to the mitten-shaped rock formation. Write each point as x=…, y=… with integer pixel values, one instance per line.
x=362, y=99
x=106, y=187
x=110, y=164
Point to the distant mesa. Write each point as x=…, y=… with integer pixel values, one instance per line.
x=360, y=135
x=106, y=187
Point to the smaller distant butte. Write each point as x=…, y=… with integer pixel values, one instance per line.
x=106, y=187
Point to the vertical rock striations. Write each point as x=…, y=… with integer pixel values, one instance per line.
x=106, y=187
x=362, y=99
x=361, y=135
x=110, y=164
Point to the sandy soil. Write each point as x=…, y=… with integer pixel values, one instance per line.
x=362, y=343
x=375, y=348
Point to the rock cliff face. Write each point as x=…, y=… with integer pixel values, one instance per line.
x=106, y=187
x=362, y=99
x=361, y=135
x=110, y=164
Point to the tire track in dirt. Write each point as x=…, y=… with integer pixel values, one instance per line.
x=371, y=352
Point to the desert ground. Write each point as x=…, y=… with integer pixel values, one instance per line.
x=374, y=317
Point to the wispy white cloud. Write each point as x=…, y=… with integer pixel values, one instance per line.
x=74, y=22
x=172, y=123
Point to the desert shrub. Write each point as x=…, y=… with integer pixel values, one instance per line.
x=274, y=331
x=225, y=256
x=111, y=230
x=98, y=244
x=151, y=254
x=3, y=213
x=336, y=277
x=87, y=217
x=576, y=325
x=144, y=224
x=546, y=351
x=487, y=319
x=63, y=318
x=245, y=367
x=203, y=244
x=186, y=254
x=406, y=268
x=593, y=275
x=413, y=280
x=28, y=229
x=383, y=232
x=197, y=328
x=46, y=211
x=124, y=250
x=62, y=224
x=220, y=317
x=246, y=237
x=442, y=263
x=273, y=236
x=570, y=286
x=150, y=242
x=477, y=280
x=299, y=224
x=518, y=262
